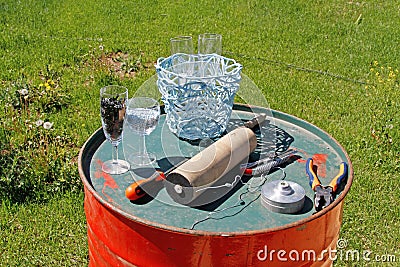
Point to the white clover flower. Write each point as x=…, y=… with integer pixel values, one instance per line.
x=23, y=91
x=47, y=125
x=39, y=123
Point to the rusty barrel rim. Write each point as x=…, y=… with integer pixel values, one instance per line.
x=84, y=153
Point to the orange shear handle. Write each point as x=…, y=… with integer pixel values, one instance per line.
x=314, y=181
x=339, y=177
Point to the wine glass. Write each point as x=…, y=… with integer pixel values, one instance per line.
x=142, y=116
x=112, y=109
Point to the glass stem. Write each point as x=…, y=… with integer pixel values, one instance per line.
x=115, y=154
x=142, y=147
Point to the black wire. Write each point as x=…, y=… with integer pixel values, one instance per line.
x=292, y=66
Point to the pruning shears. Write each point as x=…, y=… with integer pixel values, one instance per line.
x=324, y=195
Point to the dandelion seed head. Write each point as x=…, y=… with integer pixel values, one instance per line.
x=23, y=91
x=47, y=125
x=39, y=122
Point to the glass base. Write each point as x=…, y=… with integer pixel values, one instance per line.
x=142, y=159
x=115, y=167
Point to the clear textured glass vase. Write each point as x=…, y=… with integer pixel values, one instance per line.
x=198, y=92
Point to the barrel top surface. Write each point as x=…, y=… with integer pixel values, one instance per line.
x=240, y=208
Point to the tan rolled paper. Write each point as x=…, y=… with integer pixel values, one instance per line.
x=205, y=168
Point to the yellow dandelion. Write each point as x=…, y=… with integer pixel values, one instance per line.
x=376, y=63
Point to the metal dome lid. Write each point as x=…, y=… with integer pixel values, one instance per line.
x=283, y=196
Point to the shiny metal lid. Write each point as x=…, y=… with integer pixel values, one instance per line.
x=283, y=196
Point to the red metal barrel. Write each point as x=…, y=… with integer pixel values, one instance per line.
x=118, y=236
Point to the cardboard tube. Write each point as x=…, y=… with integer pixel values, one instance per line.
x=208, y=166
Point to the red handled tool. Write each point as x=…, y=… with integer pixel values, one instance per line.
x=324, y=195
x=139, y=189
x=149, y=186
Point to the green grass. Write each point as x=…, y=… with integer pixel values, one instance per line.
x=311, y=59
x=50, y=234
